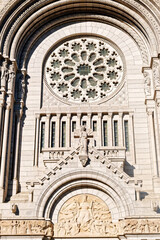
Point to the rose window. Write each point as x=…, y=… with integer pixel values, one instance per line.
x=84, y=70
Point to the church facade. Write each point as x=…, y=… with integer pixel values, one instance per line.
x=80, y=119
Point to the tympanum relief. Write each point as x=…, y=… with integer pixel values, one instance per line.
x=85, y=215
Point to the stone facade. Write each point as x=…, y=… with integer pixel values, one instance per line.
x=80, y=119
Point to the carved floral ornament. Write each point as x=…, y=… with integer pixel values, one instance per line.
x=84, y=70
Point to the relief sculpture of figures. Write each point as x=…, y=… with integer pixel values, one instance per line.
x=26, y=227
x=147, y=84
x=85, y=215
x=4, y=75
x=11, y=79
x=156, y=73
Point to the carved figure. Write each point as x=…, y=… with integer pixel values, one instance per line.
x=156, y=73
x=83, y=214
x=83, y=141
x=147, y=84
x=4, y=75
x=11, y=79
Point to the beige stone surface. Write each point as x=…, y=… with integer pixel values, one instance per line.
x=80, y=119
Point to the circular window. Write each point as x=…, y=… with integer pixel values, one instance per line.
x=84, y=70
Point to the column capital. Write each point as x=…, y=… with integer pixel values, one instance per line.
x=99, y=115
x=38, y=116
x=68, y=115
x=110, y=114
x=131, y=114
x=150, y=111
x=120, y=114
x=58, y=115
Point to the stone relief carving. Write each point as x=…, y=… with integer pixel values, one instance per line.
x=140, y=226
x=147, y=84
x=85, y=215
x=26, y=227
x=156, y=73
x=4, y=74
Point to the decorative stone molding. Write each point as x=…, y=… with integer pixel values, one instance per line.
x=26, y=227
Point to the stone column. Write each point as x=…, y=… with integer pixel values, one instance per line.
x=120, y=130
x=150, y=113
x=1, y=124
x=78, y=120
x=110, y=130
x=4, y=152
x=131, y=137
x=68, y=131
x=89, y=120
x=15, y=176
x=57, y=142
x=37, y=141
x=47, y=131
x=99, y=133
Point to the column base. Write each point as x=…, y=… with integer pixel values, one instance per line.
x=156, y=184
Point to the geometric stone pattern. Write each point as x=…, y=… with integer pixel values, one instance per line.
x=84, y=70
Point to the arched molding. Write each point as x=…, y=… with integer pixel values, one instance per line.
x=143, y=46
x=107, y=6
x=119, y=200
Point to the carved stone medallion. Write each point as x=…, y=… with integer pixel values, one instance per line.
x=84, y=215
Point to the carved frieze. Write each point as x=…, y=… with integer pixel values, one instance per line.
x=86, y=215
x=26, y=227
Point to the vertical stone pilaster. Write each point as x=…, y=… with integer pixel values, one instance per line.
x=110, y=131
x=120, y=129
x=78, y=120
x=131, y=137
x=37, y=140
x=89, y=120
x=47, y=131
x=100, y=129
x=68, y=131
x=150, y=113
x=57, y=143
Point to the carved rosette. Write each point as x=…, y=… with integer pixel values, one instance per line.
x=84, y=70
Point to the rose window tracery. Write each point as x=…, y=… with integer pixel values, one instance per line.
x=84, y=70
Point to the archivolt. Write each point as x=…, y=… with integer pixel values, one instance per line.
x=34, y=16
x=78, y=180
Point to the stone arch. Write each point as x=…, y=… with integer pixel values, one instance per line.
x=119, y=200
x=14, y=35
